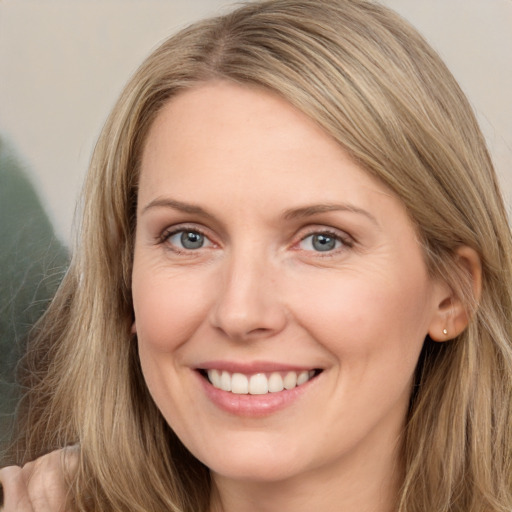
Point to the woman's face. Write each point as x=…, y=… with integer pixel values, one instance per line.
x=266, y=258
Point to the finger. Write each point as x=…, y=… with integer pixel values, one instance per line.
x=15, y=492
x=41, y=485
x=47, y=480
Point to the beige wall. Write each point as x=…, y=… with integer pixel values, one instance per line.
x=63, y=62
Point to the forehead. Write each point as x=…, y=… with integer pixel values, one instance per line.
x=221, y=142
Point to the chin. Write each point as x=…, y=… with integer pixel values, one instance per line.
x=256, y=462
x=255, y=472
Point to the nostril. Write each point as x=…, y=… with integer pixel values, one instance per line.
x=259, y=330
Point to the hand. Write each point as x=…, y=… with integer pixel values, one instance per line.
x=39, y=486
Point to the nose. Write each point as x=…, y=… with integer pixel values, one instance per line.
x=249, y=303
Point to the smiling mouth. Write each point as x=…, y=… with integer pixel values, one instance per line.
x=258, y=383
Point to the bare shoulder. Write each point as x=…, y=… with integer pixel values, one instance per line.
x=40, y=485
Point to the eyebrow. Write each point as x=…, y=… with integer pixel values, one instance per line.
x=309, y=211
x=291, y=214
x=176, y=205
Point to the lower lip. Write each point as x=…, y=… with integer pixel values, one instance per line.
x=253, y=405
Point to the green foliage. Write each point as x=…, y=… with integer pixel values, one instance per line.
x=32, y=263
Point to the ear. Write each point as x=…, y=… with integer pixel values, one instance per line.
x=134, y=327
x=452, y=315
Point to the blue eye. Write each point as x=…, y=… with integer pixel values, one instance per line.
x=189, y=240
x=321, y=242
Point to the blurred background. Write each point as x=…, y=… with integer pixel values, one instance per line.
x=63, y=64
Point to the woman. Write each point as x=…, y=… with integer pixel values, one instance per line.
x=292, y=286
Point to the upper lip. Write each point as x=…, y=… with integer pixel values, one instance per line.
x=253, y=367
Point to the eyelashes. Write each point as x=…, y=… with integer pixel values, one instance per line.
x=191, y=239
x=324, y=241
x=185, y=239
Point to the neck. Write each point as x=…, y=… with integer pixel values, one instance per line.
x=361, y=484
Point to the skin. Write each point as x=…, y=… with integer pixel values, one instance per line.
x=248, y=167
x=40, y=486
x=258, y=290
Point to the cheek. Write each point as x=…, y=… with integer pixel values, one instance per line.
x=367, y=314
x=168, y=309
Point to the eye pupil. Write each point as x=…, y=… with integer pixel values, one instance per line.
x=323, y=242
x=192, y=240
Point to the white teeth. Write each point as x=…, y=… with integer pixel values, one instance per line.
x=225, y=381
x=258, y=383
x=290, y=380
x=214, y=377
x=239, y=384
x=275, y=383
x=302, y=378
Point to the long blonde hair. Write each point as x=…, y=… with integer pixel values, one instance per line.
x=365, y=76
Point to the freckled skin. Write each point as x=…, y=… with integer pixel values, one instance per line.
x=258, y=290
